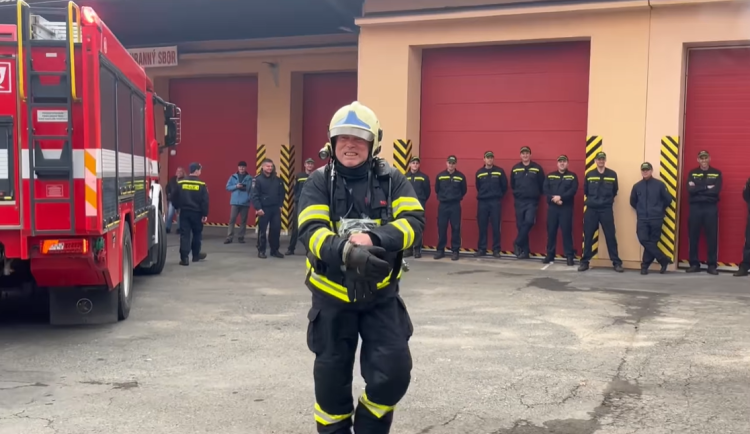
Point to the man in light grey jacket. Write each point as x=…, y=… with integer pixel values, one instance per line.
x=239, y=185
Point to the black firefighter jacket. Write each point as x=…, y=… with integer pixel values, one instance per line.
x=191, y=195
x=318, y=230
x=650, y=199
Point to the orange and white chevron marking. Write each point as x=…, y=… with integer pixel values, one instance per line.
x=89, y=163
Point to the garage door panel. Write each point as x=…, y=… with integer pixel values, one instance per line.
x=501, y=98
x=219, y=128
x=520, y=87
x=716, y=119
x=322, y=95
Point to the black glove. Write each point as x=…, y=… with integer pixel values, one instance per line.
x=368, y=261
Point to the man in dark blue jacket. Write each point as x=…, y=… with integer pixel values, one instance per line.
x=560, y=187
x=268, y=199
x=650, y=199
x=527, y=183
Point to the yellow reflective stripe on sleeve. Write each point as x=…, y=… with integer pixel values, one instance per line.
x=314, y=212
x=482, y=174
x=378, y=410
x=317, y=239
x=326, y=285
x=324, y=418
x=408, y=233
x=406, y=203
x=610, y=179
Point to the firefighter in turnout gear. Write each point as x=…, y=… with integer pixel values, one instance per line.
x=704, y=189
x=421, y=184
x=491, y=184
x=600, y=188
x=527, y=182
x=192, y=201
x=450, y=189
x=299, y=182
x=560, y=187
x=357, y=216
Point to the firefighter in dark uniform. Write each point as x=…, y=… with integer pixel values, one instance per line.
x=650, y=199
x=450, y=189
x=421, y=184
x=491, y=184
x=268, y=198
x=600, y=189
x=354, y=276
x=704, y=189
x=745, y=264
x=192, y=201
x=560, y=187
x=299, y=182
x=527, y=182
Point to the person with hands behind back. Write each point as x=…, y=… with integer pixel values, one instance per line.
x=357, y=216
x=192, y=201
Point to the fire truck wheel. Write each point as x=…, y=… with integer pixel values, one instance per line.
x=125, y=289
x=161, y=254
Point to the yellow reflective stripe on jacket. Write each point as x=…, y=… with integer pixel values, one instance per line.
x=518, y=170
x=191, y=181
x=593, y=179
x=444, y=177
x=533, y=169
x=457, y=178
x=569, y=177
x=403, y=204
x=610, y=179
x=324, y=418
x=331, y=288
x=713, y=175
x=553, y=177
x=482, y=174
x=418, y=178
x=378, y=410
x=314, y=212
x=317, y=239
x=498, y=173
x=405, y=228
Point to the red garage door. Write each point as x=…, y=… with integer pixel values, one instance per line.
x=500, y=98
x=219, y=128
x=717, y=119
x=323, y=94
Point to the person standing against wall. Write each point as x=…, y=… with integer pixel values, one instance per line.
x=268, y=199
x=527, y=182
x=491, y=184
x=421, y=184
x=600, y=188
x=560, y=187
x=745, y=265
x=704, y=189
x=299, y=182
x=239, y=185
x=650, y=200
x=450, y=189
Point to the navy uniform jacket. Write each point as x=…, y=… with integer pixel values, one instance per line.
x=450, y=187
x=421, y=184
x=491, y=183
x=601, y=188
x=527, y=182
x=564, y=185
x=192, y=195
x=700, y=193
x=650, y=199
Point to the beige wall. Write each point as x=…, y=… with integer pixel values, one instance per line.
x=279, y=89
x=635, y=90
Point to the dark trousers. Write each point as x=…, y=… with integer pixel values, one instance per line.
x=449, y=212
x=704, y=217
x=488, y=212
x=190, y=224
x=417, y=246
x=385, y=362
x=294, y=230
x=649, y=232
x=560, y=218
x=271, y=220
x=525, y=219
x=592, y=218
x=746, y=250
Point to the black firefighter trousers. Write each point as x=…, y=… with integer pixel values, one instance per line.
x=560, y=218
x=525, y=220
x=271, y=217
x=649, y=233
x=449, y=212
x=592, y=218
x=746, y=250
x=703, y=217
x=385, y=362
x=191, y=223
x=488, y=212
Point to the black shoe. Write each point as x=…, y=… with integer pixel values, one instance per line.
x=479, y=254
x=571, y=261
x=277, y=254
x=262, y=255
x=516, y=250
x=742, y=272
x=228, y=241
x=693, y=269
x=712, y=270
x=548, y=259
x=583, y=267
x=664, y=266
x=439, y=255
x=524, y=255
x=241, y=240
x=169, y=231
x=417, y=253
x=496, y=254
x=618, y=268
x=184, y=262
x=289, y=253
x=644, y=271
x=454, y=257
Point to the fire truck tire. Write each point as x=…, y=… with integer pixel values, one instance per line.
x=125, y=289
x=158, y=266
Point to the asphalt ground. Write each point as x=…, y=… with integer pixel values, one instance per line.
x=500, y=347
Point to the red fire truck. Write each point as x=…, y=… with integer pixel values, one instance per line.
x=81, y=209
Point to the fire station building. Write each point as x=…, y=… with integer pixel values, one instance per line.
x=642, y=80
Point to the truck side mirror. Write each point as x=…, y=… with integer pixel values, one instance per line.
x=172, y=123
